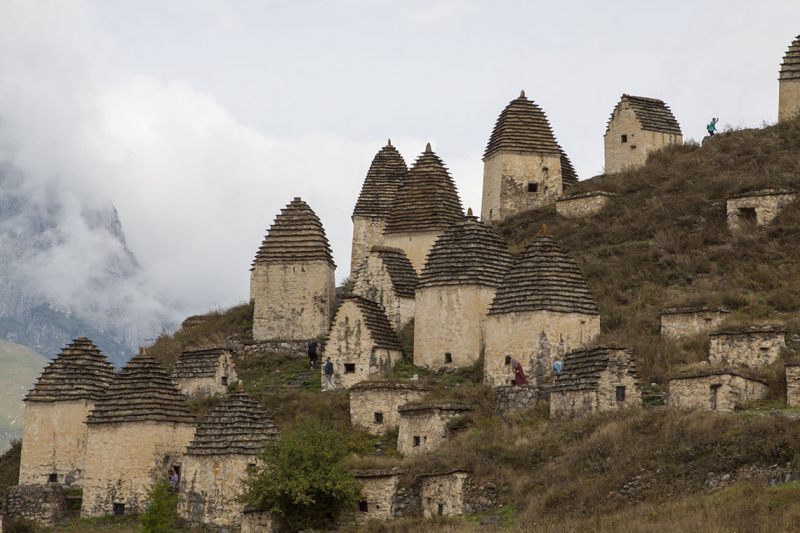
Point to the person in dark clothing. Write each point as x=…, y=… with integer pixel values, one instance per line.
x=328, y=375
x=516, y=368
x=312, y=353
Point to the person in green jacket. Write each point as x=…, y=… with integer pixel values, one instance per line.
x=712, y=127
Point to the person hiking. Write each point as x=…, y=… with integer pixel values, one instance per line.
x=174, y=479
x=312, y=353
x=712, y=127
x=516, y=368
x=328, y=375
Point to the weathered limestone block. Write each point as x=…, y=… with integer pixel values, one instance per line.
x=387, y=278
x=583, y=205
x=444, y=494
x=209, y=488
x=793, y=384
x=367, y=232
x=269, y=348
x=514, y=183
x=203, y=371
x=789, y=92
x=423, y=428
x=754, y=347
x=415, y=244
x=678, y=322
x=509, y=398
x=43, y=504
x=758, y=208
x=374, y=405
x=379, y=491
x=255, y=521
x=714, y=390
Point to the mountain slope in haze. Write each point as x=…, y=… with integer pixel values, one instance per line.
x=19, y=368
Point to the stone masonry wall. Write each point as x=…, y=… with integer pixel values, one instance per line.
x=268, y=348
x=379, y=493
x=792, y=385
x=620, y=155
x=259, y=522
x=204, y=387
x=696, y=392
x=124, y=460
x=367, y=232
x=428, y=425
x=505, y=184
x=43, y=504
x=691, y=322
x=54, y=442
x=209, y=487
x=582, y=205
x=443, y=495
x=788, y=99
x=580, y=403
x=364, y=403
x=450, y=319
x=750, y=349
x=535, y=339
x=767, y=207
x=374, y=283
x=293, y=301
x=509, y=398
x=415, y=245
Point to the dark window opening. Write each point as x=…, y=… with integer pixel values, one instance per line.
x=52, y=478
x=624, y=138
x=748, y=214
x=707, y=319
x=119, y=509
x=363, y=507
x=441, y=509
x=416, y=440
x=533, y=187
x=620, y=394
x=379, y=418
x=224, y=380
x=349, y=368
x=448, y=358
x=377, y=506
x=714, y=389
x=177, y=470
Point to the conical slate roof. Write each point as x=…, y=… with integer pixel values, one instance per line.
x=79, y=372
x=469, y=253
x=376, y=322
x=385, y=176
x=652, y=114
x=522, y=128
x=296, y=235
x=401, y=271
x=198, y=362
x=790, y=68
x=568, y=174
x=428, y=200
x=238, y=425
x=141, y=391
x=544, y=278
x=582, y=368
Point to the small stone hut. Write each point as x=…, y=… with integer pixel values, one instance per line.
x=388, y=278
x=137, y=431
x=583, y=205
x=638, y=126
x=542, y=310
x=714, y=390
x=361, y=344
x=374, y=404
x=216, y=461
x=756, y=208
x=678, y=322
x=292, y=278
x=423, y=428
x=204, y=371
x=523, y=166
x=753, y=347
x=789, y=84
x=379, y=490
x=54, y=432
x=595, y=379
x=424, y=207
x=444, y=494
x=456, y=288
x=792, y=383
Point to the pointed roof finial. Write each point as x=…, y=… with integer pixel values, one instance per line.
x=522, y=94
x=544, y=229
x=428, y=148
x=390, y=142
x=240, y=387
x=142, y=350
x=469, y=211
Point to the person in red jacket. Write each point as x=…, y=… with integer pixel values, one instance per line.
x=516, y=368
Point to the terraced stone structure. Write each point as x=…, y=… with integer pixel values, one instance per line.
x=216, y=461
x=361, y=344
x=789, y=84
x=679, y=322
x=638, y=126
x=752, y=347
x=523, y=166
x=756, y=208
x=792, y=383
x=464, y=268
x=374, y=404
x=203, y=371
x=542, y=310
x=379, y=493
x=137, y=431
x=444, y=494
x=424, y=207
x=388, y=278
x=597, y=379
x=56, y=409
x=423, y=428
x=715, y=390
x=292, y=279
x=385, y=176
x=583, y=205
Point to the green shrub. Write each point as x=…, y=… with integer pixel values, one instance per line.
x=161, y=512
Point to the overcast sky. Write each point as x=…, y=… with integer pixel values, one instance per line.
x=199, y=120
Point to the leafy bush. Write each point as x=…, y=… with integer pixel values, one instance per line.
x=161, y=512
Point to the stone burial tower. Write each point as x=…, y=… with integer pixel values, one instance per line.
x=292, y=279
x=202, y=371
x=637, y=127
x=457, y=285
x=216, y=461
x=137, y=431
x=789, y=84
x=54, y=432
x=384, y=178
x=388, y=278
x=523, y=167
x=542, y=310
x=425, y=206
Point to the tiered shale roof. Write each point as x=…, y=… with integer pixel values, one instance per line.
x=568, y=174
x=375, y=319
x=763, y=192
x=522, y=128
x=467, y=253
x=652, y=114
x=543, y=278
x=401, y=271
x=142, y=391
x=79, y=372
x=198, y=362
x=428, y=199
x=296, y=236
x=385, y=176
x=582, y=368
x=238, y=425
x=790, y=68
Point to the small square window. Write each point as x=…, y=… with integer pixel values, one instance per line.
x=224, y=380
x=533, y=187
x=119, y=509
x=349, y=368
x=363, y=507
x=620, y=394
x=624, y=138
x=379, y=418
x=416, y=440
x=448, y=358
x=52, y=478
x=441, y=509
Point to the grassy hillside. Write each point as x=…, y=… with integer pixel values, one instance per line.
x=19, y=368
